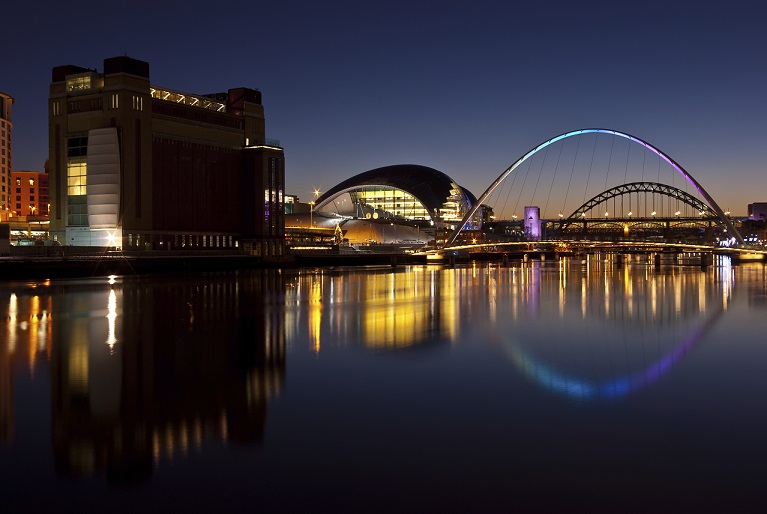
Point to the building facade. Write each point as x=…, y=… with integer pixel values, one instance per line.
x=137, y=166
x=6, y=155
x=406, y=192
x=29, y=195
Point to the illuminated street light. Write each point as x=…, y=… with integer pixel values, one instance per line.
x=630, y=213
x=607, y=214
x=676, y=214
x=653, y=213
x=311, y=214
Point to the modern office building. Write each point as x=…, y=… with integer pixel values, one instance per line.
x=29, y=194
x=139, y=166
x=6, y=154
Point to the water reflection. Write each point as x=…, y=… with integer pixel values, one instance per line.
x=145, y=372
x=617, y=330
x=380, y=309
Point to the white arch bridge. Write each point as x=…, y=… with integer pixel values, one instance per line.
x=705, y=208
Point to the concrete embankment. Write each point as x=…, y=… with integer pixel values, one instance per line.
x=72, y=266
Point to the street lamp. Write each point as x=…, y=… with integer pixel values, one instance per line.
x=311, y=214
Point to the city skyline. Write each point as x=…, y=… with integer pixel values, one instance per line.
x=464, y=88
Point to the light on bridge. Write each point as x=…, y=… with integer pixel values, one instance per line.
x=653, y=213
x=677, y=214
x=607, y=214
x=630, y=213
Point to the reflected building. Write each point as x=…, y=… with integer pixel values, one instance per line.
x=152, y=372
x=397, y=310
x=25, y=338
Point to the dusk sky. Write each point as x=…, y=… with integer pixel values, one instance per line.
x=464, y=87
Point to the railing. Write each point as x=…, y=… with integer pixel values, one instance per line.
x=183, y=98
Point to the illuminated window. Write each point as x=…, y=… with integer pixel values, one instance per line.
x=31, y=182
x=79, y=83
x=77, y=208
x=76, y=171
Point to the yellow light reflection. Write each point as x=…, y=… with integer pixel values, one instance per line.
x=315, y=315
x=112, y=317
x=13, y=311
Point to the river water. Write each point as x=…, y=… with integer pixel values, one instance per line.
x=558, y=386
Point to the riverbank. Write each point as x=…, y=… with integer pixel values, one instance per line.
x=116, y=263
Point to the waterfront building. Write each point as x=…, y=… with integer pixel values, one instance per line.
x=403, y=192
x=139, y=166
x=6, y=154
x=29, y=194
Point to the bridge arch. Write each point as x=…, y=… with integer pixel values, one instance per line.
x=689, y=178
x=641, y=187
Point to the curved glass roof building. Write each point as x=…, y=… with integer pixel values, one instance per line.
x=407, y=192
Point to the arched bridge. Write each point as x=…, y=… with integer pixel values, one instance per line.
x=705, y=208
x=702, y=210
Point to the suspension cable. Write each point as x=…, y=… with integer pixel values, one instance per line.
x=556, y=169
x=525, y=181
x=609, y=162
x=540, y=172
x=588, y=179
x=567, y=192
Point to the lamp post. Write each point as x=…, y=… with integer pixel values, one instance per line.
x=311, y=214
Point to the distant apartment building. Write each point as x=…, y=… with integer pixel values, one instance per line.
x=6, y=155
x=29, y=194
x=140, y=166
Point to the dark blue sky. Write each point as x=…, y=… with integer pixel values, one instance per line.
x=464, y=87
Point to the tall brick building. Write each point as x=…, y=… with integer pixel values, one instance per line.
x=6, y=155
